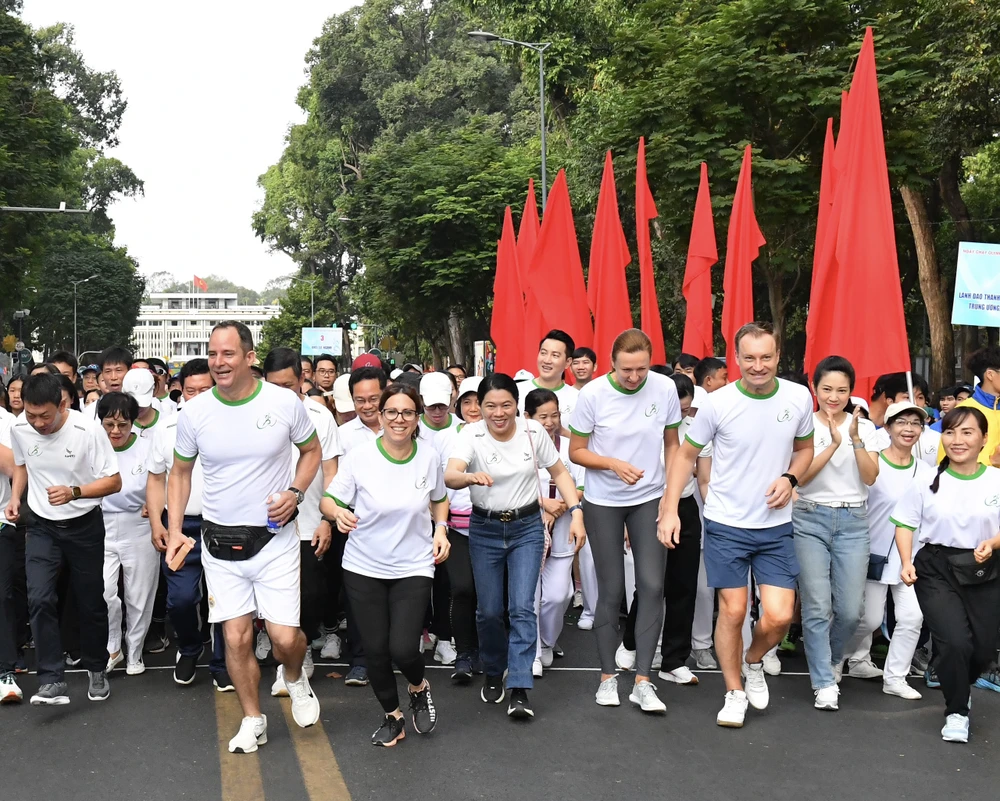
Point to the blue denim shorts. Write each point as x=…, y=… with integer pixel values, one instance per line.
x=730, y=552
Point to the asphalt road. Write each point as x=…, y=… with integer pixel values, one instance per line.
x=154, y=740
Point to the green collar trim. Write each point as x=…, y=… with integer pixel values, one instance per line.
x=247, y=399
x=407, y=460
x=979, y=471
x=621, y=389
x=553, y=389
x=895, y=466
x=749, y=394
x=132, y=438
x=432, y=427
x=156, y=417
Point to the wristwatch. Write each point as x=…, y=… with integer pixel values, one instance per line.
x=299, y=495
x=574, y=507
x=76, y=492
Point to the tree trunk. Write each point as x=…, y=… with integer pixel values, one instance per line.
x=436, y=351
x=942, y=344
x=456, y=338
x=951, y=197
x=776, y=299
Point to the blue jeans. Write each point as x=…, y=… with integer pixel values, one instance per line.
x=832, y=549
x=518, y=546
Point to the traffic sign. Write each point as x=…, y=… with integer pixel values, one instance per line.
x=19, y=345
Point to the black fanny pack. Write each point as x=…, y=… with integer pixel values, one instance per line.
x=876, y=566
x=967, y=571
x=235, y=543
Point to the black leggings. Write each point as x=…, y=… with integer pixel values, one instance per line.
x=390, y=617
x=463, y=594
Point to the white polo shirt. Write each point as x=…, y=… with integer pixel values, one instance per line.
x=78, y=454
x=161, y=459
x=132, y=460
x=752, y=437
x=310, y=516
x=568, y=396
x=244, y=449
x=354, y=433
x=627, y=425
x=391, y=498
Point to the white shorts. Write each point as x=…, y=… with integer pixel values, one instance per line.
x=267, y=583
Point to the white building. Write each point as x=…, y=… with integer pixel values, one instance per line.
x=175, y=326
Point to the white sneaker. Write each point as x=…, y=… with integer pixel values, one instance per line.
x=445, y=653
x=624, y=658
x=585, y=623
x=10, y=693
x=263, y=645
x=644, y=696
x=135, y=668
x=578, y=599
x=679, y=676
x=331, y=647
x=772, y=665
x=607, y=693
x=308, y=666
x=547, y=656
x=735, y=710
x=657, y=662
x=865, y=669
x=278, y=689
x=536, y=668
x=703, y=659
x=900, y=688
x=756, y=685
x=114, y=661
x=956, y=729
x=320, y=641
x=253, y=732
x=428, y=642
x=828, y=698
x=838, y=672
x=305, y=704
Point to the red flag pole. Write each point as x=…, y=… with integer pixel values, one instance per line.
x=645, y=210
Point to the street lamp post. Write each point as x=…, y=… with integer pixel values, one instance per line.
x=312, y=296
x=540, y=48
x=75, y=284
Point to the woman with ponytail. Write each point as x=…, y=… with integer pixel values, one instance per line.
x=955, y=573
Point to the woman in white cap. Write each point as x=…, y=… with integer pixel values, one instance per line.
x=898, y=470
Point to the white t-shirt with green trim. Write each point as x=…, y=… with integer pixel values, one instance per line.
x=310, y=516
x=706, y=453
x=391, y=498
x=961, y=514
x=626, y=425
x=752, y=437
x=568, y=397
x=510, y=463
x=161, y=459
x=132, y=460
x=926, y=448
x=243, y=448
x=561, y=545
x=892, y=483
x=438, y=438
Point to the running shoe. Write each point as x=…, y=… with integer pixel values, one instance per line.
x=357, y=676
x=772, y=665
x=536, y=668
x=956, y=729
x=462, y=674
x=71, y=660
x=305, y=704
x=520, y=707
x=900, y=688
x=424, y=715
x=20, y=666
x=263, y=645
x=787, y=645
x=445, y=653
x=136, y=668
x=185, y=668
x=865, y=669
x=253, y=732
x=990, y=679
x=308, y=666
x=734, y=712
x=607, y=693
x=756, y=685
x=578, y=599
x=585, y=623
x=10, y=693
x=278, y=688
x=98, y=688
x=331, y=647
x=492, y=692
x=703, y=659
x=156, y=643
x=428, y=642
x=223, y=683
x=921, y=660
x=657, y=662
x=115, y=661
x=828, y=698
x=681, y=675
x=931, y=678
x=624, y=658
x=547, y=656
x=56, y=694
x=558, y=652
x=644, y=696
x=391, y=731
x=838, y=672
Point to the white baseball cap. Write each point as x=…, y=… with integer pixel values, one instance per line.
x=896, y=409
x=470, y=384
x=342, y=400
x=435, y=388
x=395, y=374
x=523, y=375
x=140, y=384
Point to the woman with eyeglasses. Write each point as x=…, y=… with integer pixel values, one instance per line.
x=956, y=574
x=498, y=460
x=128, y=544
x=392, y=483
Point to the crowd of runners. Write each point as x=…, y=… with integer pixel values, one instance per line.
x=283, y=508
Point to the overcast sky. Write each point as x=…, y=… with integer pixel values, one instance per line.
x=211, y=92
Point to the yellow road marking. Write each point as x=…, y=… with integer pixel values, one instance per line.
x=320, y=771
x=241, y=779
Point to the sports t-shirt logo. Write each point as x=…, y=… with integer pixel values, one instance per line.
x=992, y=501
x=266, y=421
x=651, y=410
x=35, y=451
x=138, y=470
x=785, y=416
x=493, y=458
x=421, y=483
x=527, y=456
x=69, y=454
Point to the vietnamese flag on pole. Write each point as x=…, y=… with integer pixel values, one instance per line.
x=507, y=322
x=697, y=288
x=607, y=291
x=645, y=210
x=200, y=283
x=555, y=280
x=743, y=245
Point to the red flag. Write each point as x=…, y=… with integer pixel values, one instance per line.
x=607, y=291
x=527, y=238
x=702, y=254
x=743, y=245
x=645, y=210
x=199, y=283
x=507, y=322
x=821, y=323
x=527, y=234
x=556, y=275
x=865, y=292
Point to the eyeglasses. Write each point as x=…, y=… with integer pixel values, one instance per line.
x=907, y=423
x=110, y=426
x=408, y=415
x=326, y=372
x=372, y=400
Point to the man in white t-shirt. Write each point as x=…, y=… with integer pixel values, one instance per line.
x=555, y=353
x=242, y=431
x=67, y=464
x=283, y=368
x=365, y=385
x=761, y=430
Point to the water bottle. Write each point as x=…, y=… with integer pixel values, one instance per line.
x=273, y=526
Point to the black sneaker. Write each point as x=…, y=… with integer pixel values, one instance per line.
x=492, y=690
x=357, y=676
x=223, y=683
x=520, y=707
x=463, y=669
x=56, y=694
x=390, y=732
x=98, y=689
x=156, y=643
x=185, y=669
x=424, y=713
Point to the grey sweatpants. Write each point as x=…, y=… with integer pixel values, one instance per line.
x=606, y=533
